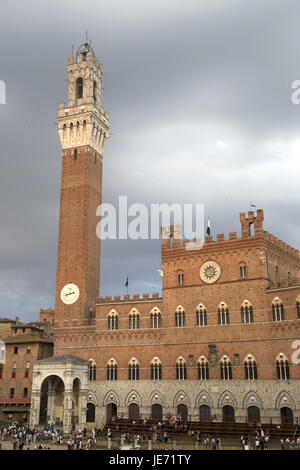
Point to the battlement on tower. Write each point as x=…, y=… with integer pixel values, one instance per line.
x=172, y=243
x=128, y=299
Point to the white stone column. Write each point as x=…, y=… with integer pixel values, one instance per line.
x=35, y=408
x=51, y=405
x=82, y=407
x=67, y=410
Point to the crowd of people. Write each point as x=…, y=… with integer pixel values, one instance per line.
x=22, y=437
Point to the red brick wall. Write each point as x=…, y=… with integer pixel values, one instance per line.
x=78, y=244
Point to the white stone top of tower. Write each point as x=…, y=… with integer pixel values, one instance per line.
x=83, y=121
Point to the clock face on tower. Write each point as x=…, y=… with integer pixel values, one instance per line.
x=210, y=272
x=69, y=294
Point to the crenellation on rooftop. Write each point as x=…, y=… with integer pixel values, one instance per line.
x=172, y=242
x=128, y=299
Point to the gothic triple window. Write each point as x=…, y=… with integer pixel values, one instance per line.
x=179, y=317
x=277, y=310
x=156, y=369
x=203, y=368
x=282, y=367
x=155, y=318
x=250, y=368
x=113, y=320
x=181, y=369
x=223, y=314
x=134, y=320
x=133, y=370
x=225, y=368
x=112, y=370
x=201, y=315
x=246, y=312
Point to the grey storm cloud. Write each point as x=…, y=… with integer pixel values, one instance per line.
x=199, y=97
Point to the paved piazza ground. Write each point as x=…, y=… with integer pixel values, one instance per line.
x=182, y=443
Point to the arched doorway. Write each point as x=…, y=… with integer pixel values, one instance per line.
x=156, y=412
x=52, y=397
x=204, y=413
x=111, y=411
x=90, y=413
x=228, y=414
x=182, y=412
x=286, y=415
x=253, y=414
x=134, y=412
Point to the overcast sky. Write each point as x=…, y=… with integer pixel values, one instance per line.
x=199, y=97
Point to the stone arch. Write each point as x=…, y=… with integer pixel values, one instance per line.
x=284, y=399
x=133, y=397
x=57, y=374
x=79, y=378
x=181, y=398
x=227, y=398
x=52, y=392
x=111, y=397
x=92, y=397
x=252, y=399
x=204, y=398
x=152, y=400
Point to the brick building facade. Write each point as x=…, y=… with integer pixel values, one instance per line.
x=24, y=344
x=220, y=340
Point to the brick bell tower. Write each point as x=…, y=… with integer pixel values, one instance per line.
x=83, y=130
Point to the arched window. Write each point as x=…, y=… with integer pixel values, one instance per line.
x=75, y=154
x=298, y=306
x=247, y=312
x=95, y=91
x=155, y=318
x=203, y=368
x=14, y=370
x=179, y=317
x=133, y=370
x=64, y=131
x=282, y=367
x=113, y=320
x=180, y=278
x=250, y=367
x=90, y=413
x=243, y=271
x=134, y=319
x=156, y=369
x=277, y=310
x=92, y=369
x=112, y=370
x=79, y=88
x=181, y=369
x=225, y=368
x=223, y=314
x=201, y=315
